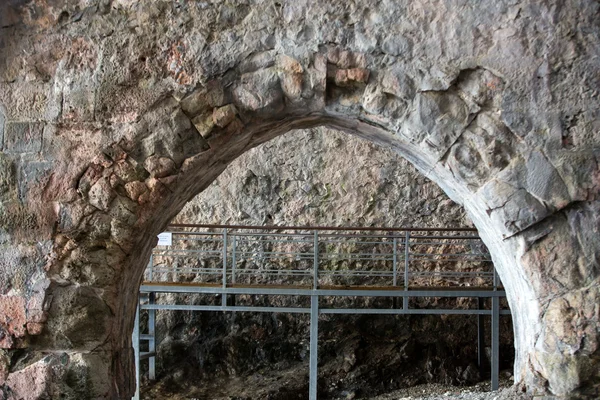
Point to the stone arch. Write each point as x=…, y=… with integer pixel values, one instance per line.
x=468, y=103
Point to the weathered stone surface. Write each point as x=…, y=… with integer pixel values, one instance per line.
x=276, y=183
x=2, y=119
x=195, y=103
x=13, y=320
x=61, y=375
x=159, y=167
x=222, y=116
x=291, y=76
x=23, y=137
x=493, y=101
x=101, y=194
x=34, y=381
x=135, y=189
x=374, y=100
x=204, y=123
x=260, y=92
x=345, y=77
x=4, y=366
x=88, y=323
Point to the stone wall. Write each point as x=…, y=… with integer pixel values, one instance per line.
x=326, y=178
x=116, y=113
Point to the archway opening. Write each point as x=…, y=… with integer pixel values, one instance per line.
x=333, y=181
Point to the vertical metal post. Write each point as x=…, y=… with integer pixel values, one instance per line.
x=480, y=336
x=135, y=339
x=495, y=341
x=224, y=295
x=233, y=265
x=152, y=340
x=233, y=257
x=406, y=262
x=395, y=270
x=314, y=346
x=395, y=262
x=495, y=334
x=316, y=260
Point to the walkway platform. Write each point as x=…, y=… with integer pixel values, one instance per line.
x=316, y=263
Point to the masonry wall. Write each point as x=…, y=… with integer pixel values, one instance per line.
x=114, y=114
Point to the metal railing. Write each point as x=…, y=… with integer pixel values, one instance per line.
x=322, y=256
x=317, y=263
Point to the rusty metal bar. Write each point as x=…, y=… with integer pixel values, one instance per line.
x=323, y=228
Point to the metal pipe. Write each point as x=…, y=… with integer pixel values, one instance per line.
x=316, y=260
x=233, y=257
x=190, y=307
x=314, y=346
x=303, y=310
x=224, y=296
x=412, y=311
x=265, y=290
x=136, y=349
x=323, y=228
x=480, y=337
x=152, y=341
x=406, y=266
x=495, y=341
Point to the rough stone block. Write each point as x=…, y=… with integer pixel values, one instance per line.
x=373, y=100
x=33, y=381
x=395, y=81
x=87, y=320
x=204, y=124
x=23, y=137
x=345, y=77
x=255, y=62
x=514, y=209
x=290, y=65
x=4, y=366
x=360, y=75
x=222, y=116
x=79, y=100
x=179, y=122
x=32, y=175
x=215, y=95
x=13, y=319
x=159, y=167
x=291, y=83
x=7, y=174
x=135, y=189
x=260, y=92
x=195, y=103
x=543, y=181
x=101, y=194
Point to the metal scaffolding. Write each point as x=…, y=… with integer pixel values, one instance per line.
x=316, y=262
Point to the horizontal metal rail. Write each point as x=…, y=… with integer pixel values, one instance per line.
x=304, y=310
x=321, y=228
x=399, y=292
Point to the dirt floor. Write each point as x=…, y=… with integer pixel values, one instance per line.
x=292, y=383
